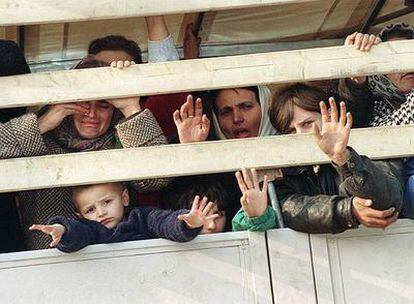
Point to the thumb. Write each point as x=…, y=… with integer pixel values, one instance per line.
x=182, y=217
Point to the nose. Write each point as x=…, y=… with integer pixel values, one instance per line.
x=92, y=111
x=101, y=212
x=237, y=116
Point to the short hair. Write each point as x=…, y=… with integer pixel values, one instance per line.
x=116, y=43
x=298, y=94
x=213, y=95
x=214, y=191
x=12, y=61
x=76, y=189
x=399, y=30
x=89, y=62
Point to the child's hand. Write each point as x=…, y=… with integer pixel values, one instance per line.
x=55, y=230
x=254, y=200
x=121, y=64
x=200, y=213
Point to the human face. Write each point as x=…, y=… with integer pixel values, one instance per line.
x=96, y=122
x=239, y=113
x=102, y=203
x=403, y=81
x=108, y=56
x=303, y=121
x=217, y=225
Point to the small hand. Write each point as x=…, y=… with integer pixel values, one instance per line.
x=192, y=124
x=129, y=105
x=362, y=42
x=56, y=113
x=56, y=231
x=370, y=217
x=333, y=137
x=199, y=214
x=254, y=199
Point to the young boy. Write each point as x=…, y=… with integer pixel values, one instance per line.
x=101, y=210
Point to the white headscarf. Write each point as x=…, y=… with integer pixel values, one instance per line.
x=266, y=127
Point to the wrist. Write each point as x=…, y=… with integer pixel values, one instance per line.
x=131, y=110
x=341, y=158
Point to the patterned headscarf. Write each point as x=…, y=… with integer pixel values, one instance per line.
x=380, y=85
x=266, y=127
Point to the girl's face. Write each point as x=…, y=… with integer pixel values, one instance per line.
x=96, y=122
x=238, y=113
x=303, y=120
x=217, y=225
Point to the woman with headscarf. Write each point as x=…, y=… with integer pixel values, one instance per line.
x=236, y=113
x=75, y=127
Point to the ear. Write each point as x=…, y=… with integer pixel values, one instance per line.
x=125, y=197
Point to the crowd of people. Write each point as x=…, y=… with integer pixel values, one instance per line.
x=350, y=191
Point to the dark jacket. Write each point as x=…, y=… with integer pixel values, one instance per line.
x=141, y=224
x=321, y=202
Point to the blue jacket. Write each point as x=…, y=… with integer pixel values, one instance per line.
x=141, y=224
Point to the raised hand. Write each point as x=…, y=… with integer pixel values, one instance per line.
x=333, y=136
x=55, y=114
x=369, y=217
x=364, y=43
x=192, y=124
x=201, y=212
x=56, y=231
x=254, y=199
x=129, y=105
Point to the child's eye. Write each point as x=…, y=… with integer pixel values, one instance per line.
x=90, y=210
x=106, y=202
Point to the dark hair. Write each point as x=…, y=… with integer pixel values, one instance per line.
x=299, y=94
x=116, y=43
x=213, y=95
x=89, y=62
x=214, y=191
x=399, y=30
x=12, y=61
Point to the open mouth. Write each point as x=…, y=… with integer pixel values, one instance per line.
x=242, y=133
x=408, y=75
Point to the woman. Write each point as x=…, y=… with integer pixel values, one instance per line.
x=75, y=127
x=236, y=113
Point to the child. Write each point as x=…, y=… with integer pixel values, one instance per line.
x=216, y=193
x=256, y=214
x=100, y=209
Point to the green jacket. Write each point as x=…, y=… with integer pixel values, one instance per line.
x=264, y=222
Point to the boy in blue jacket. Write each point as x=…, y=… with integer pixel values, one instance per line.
x=101, y=211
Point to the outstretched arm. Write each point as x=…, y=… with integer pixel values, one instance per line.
x=160, y=43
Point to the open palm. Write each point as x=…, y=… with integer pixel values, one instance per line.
x=192, y=124
x=333, y=136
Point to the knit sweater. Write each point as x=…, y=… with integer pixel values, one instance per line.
x=21, y=137
x=141, y=224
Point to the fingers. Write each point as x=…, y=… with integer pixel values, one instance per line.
x=333, y=109
x=316, y=132
x=196, y=203
x=121, y=64
x=240, y=181
x=205, y=124
x=348, y=121
x=365, y=43
x=55, y=241
x=198, y=108
x=187, y=109
x=265, y=183
x=342, y=115
x=350, y=39
x=358, y=40
x=203, y=203
x=36, y=227
x=324, y=112
x=208, y=209
x=247, y=179
x=177, y=118
x=362, y=201
x=255, y=179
